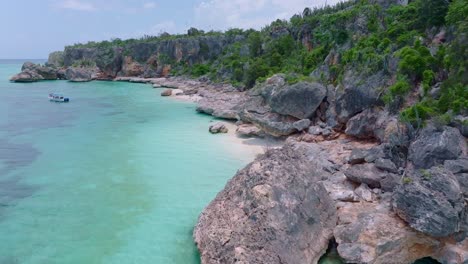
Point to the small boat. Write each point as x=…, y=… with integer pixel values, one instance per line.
x=58, y=98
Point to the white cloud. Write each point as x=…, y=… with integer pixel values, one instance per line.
x=149, y=5
x=76, y=5
x=222, y=14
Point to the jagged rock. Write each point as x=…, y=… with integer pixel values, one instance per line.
x=78, y=74
x=389, y=182
x=457, y=166
x=431, y=202
x=131, y=68
x=360, y=93
x=461, y=122
x=371, y=124
x=167, y=92
x=27, y=76
x=218, y=128
x=364, y=192
x=31, y=72
x=272, y=211
x=371, y=233
x=55, y=59
x=386, y=165
x=365, y=173
x=433, y=147
x=247, y=130
x=463, y=180
x=299, y=100
x=275, y=125
x=315, y=130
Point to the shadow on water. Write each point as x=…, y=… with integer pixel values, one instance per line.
x=12, y=190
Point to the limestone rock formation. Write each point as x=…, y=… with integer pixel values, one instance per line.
x=299, y=100
x=431, y=202
x=433, y=147
x=218, y=128
x=166, y=92
x=75, y=74
x=272, y=211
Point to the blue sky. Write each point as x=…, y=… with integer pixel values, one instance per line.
x=33, y=28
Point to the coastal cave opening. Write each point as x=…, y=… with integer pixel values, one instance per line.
x=331, y=256
x=426, y=260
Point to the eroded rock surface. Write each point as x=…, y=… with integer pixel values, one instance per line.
x=272, y=211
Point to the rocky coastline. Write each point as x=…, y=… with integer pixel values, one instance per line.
x=384, y=192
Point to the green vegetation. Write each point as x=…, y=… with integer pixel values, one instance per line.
x=358, y=38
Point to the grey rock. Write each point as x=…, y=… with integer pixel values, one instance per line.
x=275, y=125
x=371, y=124
x=457, y=166
x=359, y=93
x=365, y=173
x=433, y=147
x=315, y=130
x=389, y=182
x=272, y=211
x=167, y=92
x=55, y=59
x=299, y=100
x=386, y=165
x=79, y=74
x=27, y=76
x=461, y=122
x=463, y=180
x=218, y=128
x=431, y=203
x=364, y=192
x=248, y=130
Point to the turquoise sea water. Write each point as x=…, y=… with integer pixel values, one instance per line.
x=118, y=175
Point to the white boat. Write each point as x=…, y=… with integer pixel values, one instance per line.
x=58, y=98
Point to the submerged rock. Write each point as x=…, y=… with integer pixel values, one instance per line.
x=272, y=211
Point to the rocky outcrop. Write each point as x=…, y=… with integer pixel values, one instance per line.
x=431, y=202
x=31, y=72
x=272, y=211
x=131, y=68
x=299, y=100
x=372, y=123
x=249, y=130
x=26, y=76
x=74, y=74
x=433, y=147
x=55, y=59
x=218, y=128
x=166, y=92
x=372, y=233
x=275, y=125
x=358, y=94
x=366, y=173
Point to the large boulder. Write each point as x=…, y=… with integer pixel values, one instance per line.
x=359, y=92
x=27, y=76
x=274, y=124
x=74, y=74
x=299, y=100
x=431, y=202
x=372, y=233
x=218, y=128
x=372, y=123
x=31, y=72
x=55, y=59
x=272, y=211
x=433, y=147
x=366, y=173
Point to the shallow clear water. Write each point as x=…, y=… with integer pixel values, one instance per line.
x=118, y=175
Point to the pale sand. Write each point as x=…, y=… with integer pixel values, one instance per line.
x=243, y=147
x=251, y=147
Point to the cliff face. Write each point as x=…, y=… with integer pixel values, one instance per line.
x=154, y=59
